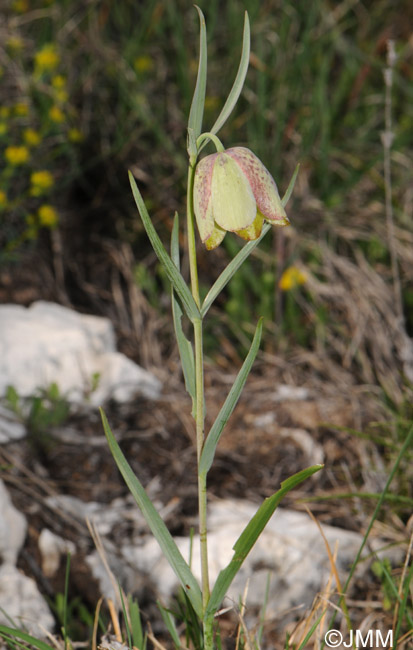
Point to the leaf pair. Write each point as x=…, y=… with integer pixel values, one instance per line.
x=198, y=101
x=170, y=550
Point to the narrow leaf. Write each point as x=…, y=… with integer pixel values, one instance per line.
x=239, y=79
x=196, y=112
x=172, y=272
x=138, y=638
x=208, y=452
x=186, y=351
x=249, y=536
x=168, y=619
x=290, y=187
x=8, y=632
x=155, y=522
x=243, y=254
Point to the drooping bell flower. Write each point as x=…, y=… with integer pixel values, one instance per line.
x=233, y=191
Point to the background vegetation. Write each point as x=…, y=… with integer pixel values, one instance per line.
x=90, y=89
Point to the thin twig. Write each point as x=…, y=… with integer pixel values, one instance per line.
x=387, y=138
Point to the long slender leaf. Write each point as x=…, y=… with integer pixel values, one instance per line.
x=240, y=257
x=172, y=272
x=186, y=351
x=8, y=632
x=208, y=452
x=196, y=112
x=249, y=536
x=168, y=619
x=239, y=79
x=138, y=637
x=155, y=522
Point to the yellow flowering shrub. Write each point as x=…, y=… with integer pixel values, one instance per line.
x=291, y=278
x=39, y=126
x=41, y=182
x=47, y=216
x=46, y=59
x=31, y=137
x=17, y=155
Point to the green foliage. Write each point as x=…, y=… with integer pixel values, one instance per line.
x=47, y=409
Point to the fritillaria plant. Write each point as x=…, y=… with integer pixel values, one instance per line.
x=228, y=191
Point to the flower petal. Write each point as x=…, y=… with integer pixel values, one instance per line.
x=216, y=238
x=202, y=196
x=254, y=230
x=233, y=203
x=262, y=184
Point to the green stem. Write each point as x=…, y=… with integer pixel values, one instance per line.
x=199, y=400
x=204, y=137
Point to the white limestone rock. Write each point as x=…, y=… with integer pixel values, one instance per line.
x=13, y=528
x=10, y=427
x=291, y=549
x=21, y=602
x=51, y=548
x=47, y=343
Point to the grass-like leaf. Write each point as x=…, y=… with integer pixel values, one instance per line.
x=172, y=272
x=186, y=351
x=249, y=536
x=155, y=522
x=243, y=254
x=10, y=633
x=239, y=79
x=208, y=452
x=403, y=451
x=138, y=637
x=168, y=619
x=196, y=112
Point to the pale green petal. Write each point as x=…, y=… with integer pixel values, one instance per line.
x=233, y=203
x=262, y=185
x=254, y=230
x=216, y=238
x=202, y=196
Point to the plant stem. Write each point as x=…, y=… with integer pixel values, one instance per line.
x=199, y=415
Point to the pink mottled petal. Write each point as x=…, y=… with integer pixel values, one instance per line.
x=262, y=184
x=202, y=196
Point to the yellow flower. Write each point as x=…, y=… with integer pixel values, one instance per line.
x=47, y=216
x=61, y=96
x=58, y=82
x=3, y=128
x=15, y=44
x=143, y=63
x=56, y=115
x=3, y=199
x=41, y=181
x=74, y=135
x=47, y=58
x=17, y=155
x=21, y=109
x=291, y=278
x=31, y=137
x=20, y=6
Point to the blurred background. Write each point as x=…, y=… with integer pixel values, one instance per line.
x=92, y=88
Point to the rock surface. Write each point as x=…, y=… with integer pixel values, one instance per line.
x=21, y=602
x=20, y=599
x=47, y=343
x=291, y=549
x=12, y=528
